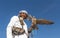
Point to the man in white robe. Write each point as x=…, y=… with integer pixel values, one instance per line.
x=15, y=22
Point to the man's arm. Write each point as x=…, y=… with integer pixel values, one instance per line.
x=32, y=27
x=9, y=27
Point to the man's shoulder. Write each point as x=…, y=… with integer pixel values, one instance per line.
x=13, y=17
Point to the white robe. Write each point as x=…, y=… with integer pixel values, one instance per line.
x=15, y=22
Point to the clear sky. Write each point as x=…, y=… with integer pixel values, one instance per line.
x=45, y=9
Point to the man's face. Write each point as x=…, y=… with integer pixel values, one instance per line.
x=23, y=15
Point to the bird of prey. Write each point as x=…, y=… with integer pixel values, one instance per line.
x=38, y=21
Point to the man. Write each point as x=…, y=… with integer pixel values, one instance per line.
x=16, y=22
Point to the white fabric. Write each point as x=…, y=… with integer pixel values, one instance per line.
x=15, y=22
x=23, y=11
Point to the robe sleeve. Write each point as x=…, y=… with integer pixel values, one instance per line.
x=9, y=28
x=26, y=29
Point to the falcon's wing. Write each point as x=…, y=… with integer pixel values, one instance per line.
x=43, y=21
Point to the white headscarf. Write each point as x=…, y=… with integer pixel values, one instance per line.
x=23, y=11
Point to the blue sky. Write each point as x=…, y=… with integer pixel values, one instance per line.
x=43, y=9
